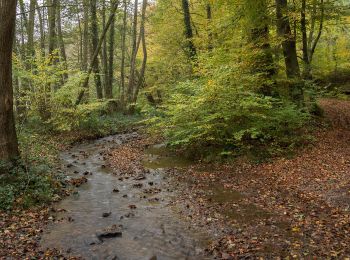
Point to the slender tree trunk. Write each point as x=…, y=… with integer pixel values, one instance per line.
x=95, y=55
x=288, y=41
x=31, y=20
x=132, y=76
x=312, y=24
x=80, y=48
x=262, y=61
x=209, y=20
x=61, y=40
x=42, y=29
x=191, y=49
x=52, y=27
x=24, y=13
x=307, y=69
x=141, y=79
x=104, y=50
x=314, y=45
x=94, y=44
x=123, y=49
x=8, y=138
x=86, y=35
x=110, y=78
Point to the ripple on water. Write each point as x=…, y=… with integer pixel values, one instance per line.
x=150, y=229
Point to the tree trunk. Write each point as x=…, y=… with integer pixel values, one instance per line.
x=209, y=20
x=190, y=48
x=61, y=40
x=290, y=53
x=307, y=69
x=8, y=138
x=110, y=78
x=123, y=49
x=95, y=55
x=141, y=78
x=132, y=75
x=80, y=48
x=31, y=20
x=94, y=44
x=314, y=45
x=42, y=29
x=24, y=14
x=262, y=61
x=86, y=35
x=104, y=60
x=288, y=41
x=52, y=27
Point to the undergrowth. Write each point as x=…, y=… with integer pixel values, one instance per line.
x=36, y=179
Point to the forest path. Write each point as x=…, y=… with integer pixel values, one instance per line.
x=112, y=217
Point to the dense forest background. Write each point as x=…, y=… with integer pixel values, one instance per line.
x=217, y=72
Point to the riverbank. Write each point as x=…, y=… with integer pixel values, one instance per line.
x=22, y=225
x=291, y=207
x=295, y=207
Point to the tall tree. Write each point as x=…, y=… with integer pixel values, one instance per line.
x=306, y=72
x=42, y=29
x=258, y=24
x=31, y=28
x=104, y=59
x=209, y=21
x=287, y=39
x=8, y=138
x=134, y=50
x=110, y=78
x=309, y=44
x=52, y=26
x=85, y=35
x=142, y=39
x=61, y=44
x=94, y=56
x=123, y=49
x=94, y=44
x=190, y=48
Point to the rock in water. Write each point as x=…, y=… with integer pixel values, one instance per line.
x=93, y=241
x=106, y=214
x=109, y=234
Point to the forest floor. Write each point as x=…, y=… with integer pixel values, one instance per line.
x=297, y=207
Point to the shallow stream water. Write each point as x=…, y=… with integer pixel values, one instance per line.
x=140, y=209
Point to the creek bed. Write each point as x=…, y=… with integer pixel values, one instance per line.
x=137, y=212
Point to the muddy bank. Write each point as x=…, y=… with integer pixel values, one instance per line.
x=120, y=214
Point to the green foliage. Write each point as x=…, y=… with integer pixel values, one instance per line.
x=34, y=181
x=40, y=81
x=224, y=108
x=24, y=187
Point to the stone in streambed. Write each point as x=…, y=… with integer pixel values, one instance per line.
x=109, y=234
x=94, y=241
x=106, y=214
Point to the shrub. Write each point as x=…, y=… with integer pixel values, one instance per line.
x=24, y=187
x=226, y=110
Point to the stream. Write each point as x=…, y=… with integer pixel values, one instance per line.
x=120, y=218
